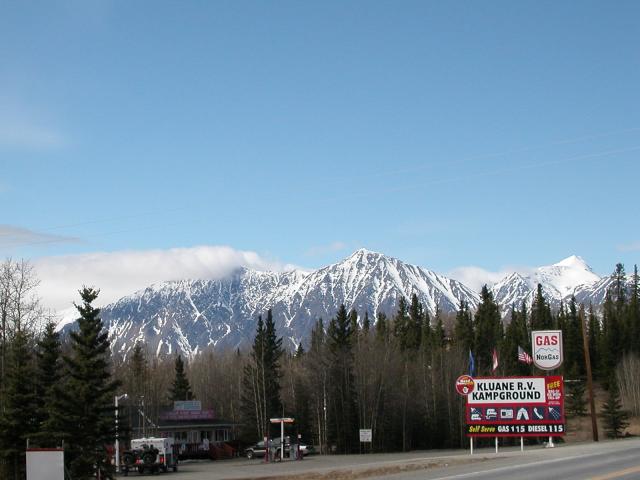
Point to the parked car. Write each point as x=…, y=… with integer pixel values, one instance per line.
x=258, y=449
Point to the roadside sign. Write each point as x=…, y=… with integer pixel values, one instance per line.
x=281, y=420
x=45, y=464
x=516, y=407
x=365, y=435
x=547, y=349
x=464, y=385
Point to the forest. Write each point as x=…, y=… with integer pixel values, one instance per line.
x=394, y=374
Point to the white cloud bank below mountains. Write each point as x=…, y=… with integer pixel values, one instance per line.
x=476, y=277
x=118, y=274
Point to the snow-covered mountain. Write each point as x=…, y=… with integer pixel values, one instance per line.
x=191, y=315
x=571, y=276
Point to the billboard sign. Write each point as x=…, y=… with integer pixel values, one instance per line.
x=516, y=407
x=547, y=349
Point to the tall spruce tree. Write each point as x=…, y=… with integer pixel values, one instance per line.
x=48, y=375
x=488, y=330
x=463, y=330
x=343, y=420
x=573, y=341
x=18, y=419
x=541, y=317
x=595, y=338
x=261, y=380
x=87, y=420
x=616, y=419
x=181, y=389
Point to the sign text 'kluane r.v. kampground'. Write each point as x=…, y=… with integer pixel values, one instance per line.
x=516, y=407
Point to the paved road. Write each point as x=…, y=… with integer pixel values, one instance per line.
x=602, y=461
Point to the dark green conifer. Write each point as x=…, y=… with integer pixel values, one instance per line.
x=463, y=330
x=541, y=317
x=86, y=418
x=181, y=389
x=616, y=419
x=488, y=331
x=48, y=375
x=343, y=421
x=19, y=417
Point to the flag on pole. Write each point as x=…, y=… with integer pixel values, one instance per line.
x=472, y=364
x=495, y=360
x=523, y=356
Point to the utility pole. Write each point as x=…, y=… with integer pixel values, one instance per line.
x=587, y=362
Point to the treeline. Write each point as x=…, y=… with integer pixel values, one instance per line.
x=393, y=374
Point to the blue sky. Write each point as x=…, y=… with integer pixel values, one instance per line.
x=445, y=134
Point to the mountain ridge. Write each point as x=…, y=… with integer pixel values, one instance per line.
x=188, y=316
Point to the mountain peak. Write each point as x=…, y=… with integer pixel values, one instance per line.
x=574, y=261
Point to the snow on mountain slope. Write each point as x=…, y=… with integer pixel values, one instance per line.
x=559, y=281
x=190, y=315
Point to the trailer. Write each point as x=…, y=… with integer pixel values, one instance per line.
x=150, y=454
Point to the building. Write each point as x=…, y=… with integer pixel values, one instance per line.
x=197, y=433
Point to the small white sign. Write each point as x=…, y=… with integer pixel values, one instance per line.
x=547, y=349
x=45, y=464
x=365, y=435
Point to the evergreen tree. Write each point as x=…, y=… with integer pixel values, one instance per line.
x=615, y=418
x=595, y=337
x=611, y=350
x=261, y=380
x=573, y=342
x=488, y=331
x=463, y=330
x=343, y=421
x=18, y=419
x=181, y=389
x=541, y=318
x=48, y=375
x=516, y=335
x=382, y=327
x=401, y=326
x=576, y=404
x=272, y=354
x=86, y=418
x=366, y=324
x=414, y=324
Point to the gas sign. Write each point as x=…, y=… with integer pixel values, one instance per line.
x=547, y=349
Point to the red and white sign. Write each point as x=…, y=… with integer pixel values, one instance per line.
x=516, y=407
x=547, y=349
x=465, y=385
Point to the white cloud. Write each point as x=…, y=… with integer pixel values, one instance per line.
x=118, y=274
x=629, y=247
x=326, y=249
x=13, y=237
x=475, y=277
x=30, y=136
x=24, y=127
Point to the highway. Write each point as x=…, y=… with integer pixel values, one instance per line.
x=602, y=461
x=605, y=460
